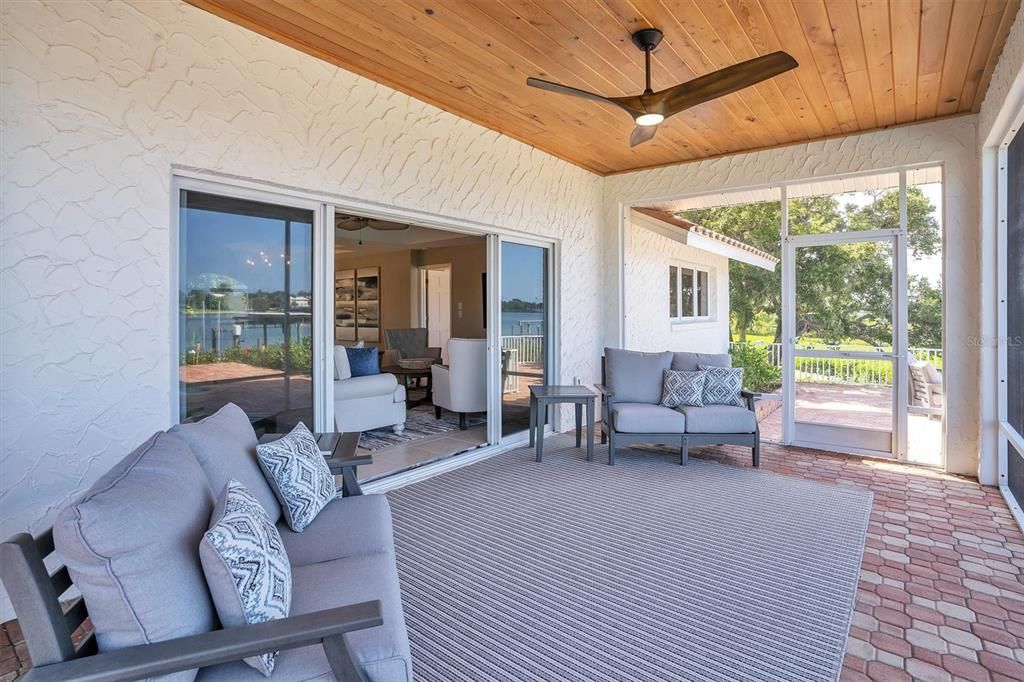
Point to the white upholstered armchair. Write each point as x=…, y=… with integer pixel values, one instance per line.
x=366, y=402
x=461, y=387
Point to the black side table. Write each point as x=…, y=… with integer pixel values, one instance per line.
x=542, y=396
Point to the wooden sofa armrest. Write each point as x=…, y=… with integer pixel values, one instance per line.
x=604, y=391
x=224, y=646
x=346, y=468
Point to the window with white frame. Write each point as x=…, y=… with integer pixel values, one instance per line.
x=688, y=293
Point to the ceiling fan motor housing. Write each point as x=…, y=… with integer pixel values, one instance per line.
x=647, y=39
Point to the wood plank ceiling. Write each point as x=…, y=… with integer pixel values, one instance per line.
x=864, y=64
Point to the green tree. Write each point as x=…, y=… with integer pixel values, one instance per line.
x=925, y=314
x=843, y=291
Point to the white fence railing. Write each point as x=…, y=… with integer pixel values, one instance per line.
x=527, y=348
x=843, y=370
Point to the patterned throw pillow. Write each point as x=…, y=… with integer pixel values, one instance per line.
x=246, y=566
x=722, y=385
x=299, y=475
x=682, y=388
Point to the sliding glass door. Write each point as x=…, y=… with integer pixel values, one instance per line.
x=245, y=310
x=525, y=328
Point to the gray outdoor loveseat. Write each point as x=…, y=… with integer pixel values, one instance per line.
x=133, y=539
x=631, y=412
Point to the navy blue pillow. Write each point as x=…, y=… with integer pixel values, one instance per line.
x=363, y=361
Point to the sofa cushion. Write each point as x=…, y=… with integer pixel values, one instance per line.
x=131, y=547
x=363, y=362
x=246, y=566
x=367, y=523
x=644, y=418
x=723, y=385
x=225, y=445
x=297, y=471
x=365, y=387
x=691, y=362
x=682, y=388
x=719, y=419
x=382, y=652
x=342, y=370
x=635, y=377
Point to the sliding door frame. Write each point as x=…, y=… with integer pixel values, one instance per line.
x=325, y=205
x=322, y=293
x=552, y=365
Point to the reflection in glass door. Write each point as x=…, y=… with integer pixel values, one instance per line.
x=245, y=310
x=524, y=330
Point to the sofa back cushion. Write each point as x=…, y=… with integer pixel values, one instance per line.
x=225, y=445
x=635, y=377
x=342, y=371
x=363, y=362
x=691, y=362
x=131, y=545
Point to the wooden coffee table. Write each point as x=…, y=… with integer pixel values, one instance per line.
x=406, y=374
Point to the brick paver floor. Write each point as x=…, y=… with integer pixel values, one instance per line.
x=941, y=595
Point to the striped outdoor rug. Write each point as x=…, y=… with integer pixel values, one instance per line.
x=574, y=570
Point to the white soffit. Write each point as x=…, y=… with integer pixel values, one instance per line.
x=747, y=196
x=701, y=238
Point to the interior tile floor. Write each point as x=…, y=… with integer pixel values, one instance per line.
x=421, y=451
x=941, y=595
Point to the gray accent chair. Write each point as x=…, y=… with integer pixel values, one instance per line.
x=631, y=386
x=402, y=344
x=131, y=546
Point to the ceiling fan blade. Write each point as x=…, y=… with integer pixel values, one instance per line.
x=565, y=90
x=642, y=134
x=576, y=92
x=719, y=83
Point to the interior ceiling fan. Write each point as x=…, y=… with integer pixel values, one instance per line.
x=353, y=223
x=651, y=108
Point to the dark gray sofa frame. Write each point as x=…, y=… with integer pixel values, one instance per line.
x=48, y=625
x=684, y=441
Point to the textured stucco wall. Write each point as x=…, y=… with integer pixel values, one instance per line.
x=950, y=141
x=1009, y=70
x=100, y=101
x=648, y=328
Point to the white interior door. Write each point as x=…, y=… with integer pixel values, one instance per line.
x=439, y=308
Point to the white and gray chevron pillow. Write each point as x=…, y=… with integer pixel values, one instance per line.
x=297, y=471
x=723, y=385
x=682, y=389
x=246, y=566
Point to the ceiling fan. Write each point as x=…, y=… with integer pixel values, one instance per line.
x=651, y=108
x=353, y=223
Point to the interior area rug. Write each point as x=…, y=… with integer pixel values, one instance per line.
x=420, y=422
x=646, y=570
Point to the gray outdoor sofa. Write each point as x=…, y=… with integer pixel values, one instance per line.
x=134, y=539
x=631, y=392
